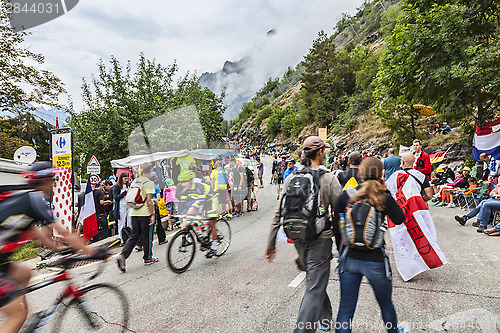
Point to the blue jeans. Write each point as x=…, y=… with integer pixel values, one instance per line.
x=350, y=280
x=485, y=212
x=476, y=210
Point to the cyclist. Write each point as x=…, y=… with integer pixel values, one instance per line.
x=26, y=215
x=196, y=198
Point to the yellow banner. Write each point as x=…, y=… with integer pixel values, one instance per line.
x=62, y=161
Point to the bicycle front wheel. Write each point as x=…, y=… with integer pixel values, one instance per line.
x=180, y=251
x=101, y=308
x=223, y=236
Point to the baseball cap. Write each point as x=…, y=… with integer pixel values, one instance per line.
x=466, y=169
x=314, y=143
x=443, y=166
x=99, y=183
x=439, y=169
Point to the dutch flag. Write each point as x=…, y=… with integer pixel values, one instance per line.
x=487, y=140
x=87, y=214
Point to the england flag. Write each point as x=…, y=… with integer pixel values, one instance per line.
x=414, y=242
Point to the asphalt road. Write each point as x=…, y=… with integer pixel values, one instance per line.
x=241, y=292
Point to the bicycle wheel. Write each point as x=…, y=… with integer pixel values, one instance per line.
x=180, y=251
x=223, y=236
x=102, y=304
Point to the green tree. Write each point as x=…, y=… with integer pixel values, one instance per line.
x=120, y=101
x=24, y=130
x=445, y=54
x=327, y=79
x=20, y=81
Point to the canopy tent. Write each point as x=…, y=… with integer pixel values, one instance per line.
x=201, y=154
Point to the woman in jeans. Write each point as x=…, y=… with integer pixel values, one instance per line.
x=373, y=264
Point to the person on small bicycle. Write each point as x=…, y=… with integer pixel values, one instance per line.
x=26, y=215
x=194, y=199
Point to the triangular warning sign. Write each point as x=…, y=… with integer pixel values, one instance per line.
x=352, y=183
x=93, y=161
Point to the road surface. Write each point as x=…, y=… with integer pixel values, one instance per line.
x=241, y=292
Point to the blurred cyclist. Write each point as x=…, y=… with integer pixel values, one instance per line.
x=26, y=215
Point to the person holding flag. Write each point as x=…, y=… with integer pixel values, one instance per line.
x=414, y=242
x=88, y=217
x=26, y=215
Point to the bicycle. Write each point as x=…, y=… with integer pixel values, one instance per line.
x=182, y=246
x=98, y=307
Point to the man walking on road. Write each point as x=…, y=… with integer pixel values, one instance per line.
x=143, y=220
x=315, y=310
x=350, y=177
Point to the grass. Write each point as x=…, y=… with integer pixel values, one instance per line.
x=28, y=251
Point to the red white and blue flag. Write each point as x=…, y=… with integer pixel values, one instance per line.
x=88, y=217
x=414, y=241
x=487, y=140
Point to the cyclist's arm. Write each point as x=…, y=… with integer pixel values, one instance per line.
x=44, y=234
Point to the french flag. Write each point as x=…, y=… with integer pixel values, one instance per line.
x=487, y=140
x=88, y=216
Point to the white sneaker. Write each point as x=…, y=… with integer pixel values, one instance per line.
x=451, y=205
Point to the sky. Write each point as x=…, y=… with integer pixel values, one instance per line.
x=199, y=35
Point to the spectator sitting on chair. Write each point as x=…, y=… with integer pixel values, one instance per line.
x=483, y=211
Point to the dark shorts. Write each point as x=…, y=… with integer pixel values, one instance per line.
x=171, y=207
x=222, y=197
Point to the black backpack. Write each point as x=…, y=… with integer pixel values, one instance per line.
x=300, y=213
x=281, y=169
x=364, y=227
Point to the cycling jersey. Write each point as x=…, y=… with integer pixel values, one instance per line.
x=201, y=197
x=20, y=212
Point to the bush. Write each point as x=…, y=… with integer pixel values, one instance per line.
x=28, y=251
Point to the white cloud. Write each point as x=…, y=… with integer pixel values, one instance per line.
x=201, y=35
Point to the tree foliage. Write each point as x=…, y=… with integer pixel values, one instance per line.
x=120, y=100
x=20, y=82
x=24, y=130
x=445, y=54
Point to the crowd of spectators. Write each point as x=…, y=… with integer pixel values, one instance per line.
x=474, y=189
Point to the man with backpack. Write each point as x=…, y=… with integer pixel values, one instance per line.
x=308, y=196
x=350, y=177
x=281, y=171
x=140, y=200
x=220, y=180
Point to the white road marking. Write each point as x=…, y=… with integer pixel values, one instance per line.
x=298, y=279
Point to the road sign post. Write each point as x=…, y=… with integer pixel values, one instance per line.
x=93, y=167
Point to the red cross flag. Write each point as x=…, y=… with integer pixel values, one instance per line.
x=414, y=242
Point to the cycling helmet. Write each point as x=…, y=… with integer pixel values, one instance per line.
x=40, y=171
x=186, y=175
x=169, y=182
x=290, y=160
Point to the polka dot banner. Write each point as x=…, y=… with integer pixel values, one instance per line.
x=61, y=199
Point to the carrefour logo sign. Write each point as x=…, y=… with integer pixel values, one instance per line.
x=61, y=142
